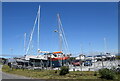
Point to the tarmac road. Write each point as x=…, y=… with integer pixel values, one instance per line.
x=10, y=76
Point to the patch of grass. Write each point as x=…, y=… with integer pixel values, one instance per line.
x=118, y=57
x=5, y=68
x=83, y=75
x=107, y=74
x=64, y=70
x=52, y=74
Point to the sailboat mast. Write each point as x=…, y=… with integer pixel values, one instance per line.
x=38, y=26
x=81, y=48
x=91, y=50
x=31, y=35
x=105, y=45
x=60, y=34
x=24, y=42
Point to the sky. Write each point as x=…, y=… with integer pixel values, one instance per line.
x=84, y=23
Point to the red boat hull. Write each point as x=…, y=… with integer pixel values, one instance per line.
x=59, y=58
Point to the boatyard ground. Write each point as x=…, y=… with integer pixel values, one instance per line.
x=88, y=72
x=96, y=66
x=50, y=74
x=53, y=74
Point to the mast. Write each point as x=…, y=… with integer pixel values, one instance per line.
x=91, y=49
x=60, y=33
x=31, y=35
x=105, y=45
x=38, y=27
x=24, y=42
x=80, y=56
x=62, y=37
x=102, y=61
x=81, y=48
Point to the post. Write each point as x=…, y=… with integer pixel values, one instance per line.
x=94, y=63
x=34, y=64
x=81, y=63
x=80, y=57
x=50, y=61
x=11, y=64
x=62, y=59
x=102, y=61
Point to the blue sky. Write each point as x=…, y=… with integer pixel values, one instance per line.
x=83, y=23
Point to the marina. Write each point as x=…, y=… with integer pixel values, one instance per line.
x=55, y=60
x=47, y=47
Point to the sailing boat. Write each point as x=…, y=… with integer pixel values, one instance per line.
x=38, y=56
x=59, y=58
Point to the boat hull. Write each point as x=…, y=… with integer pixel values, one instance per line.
x=58, y=62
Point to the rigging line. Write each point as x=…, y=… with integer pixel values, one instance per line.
x=64, y=37
x=64, y=44
x=61, y=29
x=65, y=41
x=60, y=34
x=66, y=48
x=31, y=35
x=63, y=33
